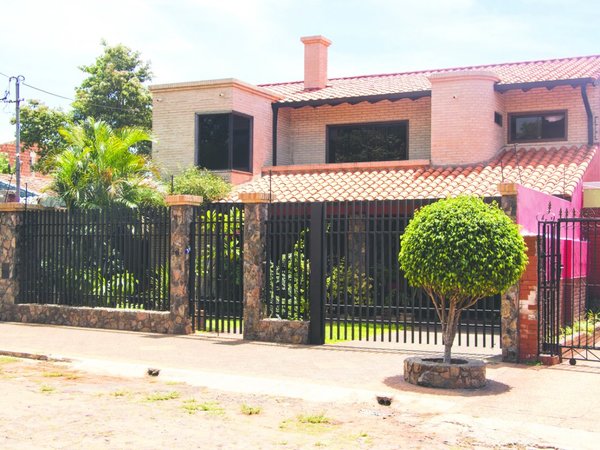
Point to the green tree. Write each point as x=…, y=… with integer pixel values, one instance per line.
x=459, y=251
x=98, y=168
x=198, y=181
x=39, y=128
x=5, y=164
x=114, y=90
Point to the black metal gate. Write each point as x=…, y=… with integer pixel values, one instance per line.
x=569, y=287
x=216, y=268
x=336, y=263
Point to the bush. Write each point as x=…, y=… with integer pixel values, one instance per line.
x=459, y=251
x=199, y=181
x=348, y=279
x=5, y=164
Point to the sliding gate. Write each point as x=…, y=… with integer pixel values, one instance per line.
x=216, y=268
x=336, y=264
x=569, y=287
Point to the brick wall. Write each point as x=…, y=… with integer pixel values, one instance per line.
x=302, y=132
x=559, y=98
x=9, y=149
x=173, y=119
x=462, y=117
x=528, y=310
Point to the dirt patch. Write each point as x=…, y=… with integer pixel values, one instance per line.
x=50, y=405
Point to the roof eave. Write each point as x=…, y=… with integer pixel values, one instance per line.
x=354, y=100
x=574, y=82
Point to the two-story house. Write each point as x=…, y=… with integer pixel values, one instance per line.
x=424, y=134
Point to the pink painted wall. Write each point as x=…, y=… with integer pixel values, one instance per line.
x=532, y=205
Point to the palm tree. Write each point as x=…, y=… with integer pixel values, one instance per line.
x=100, y=167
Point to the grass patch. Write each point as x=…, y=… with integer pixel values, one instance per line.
x=314, y=418
x=307, y=424
x=53, y=374
x=45, y=389
x=174, y=383
x=8, y=359
x=162, y=396
x=250, y=410
x=192, y=406
x=121, y=393
x=222, y=326
x=349, y=332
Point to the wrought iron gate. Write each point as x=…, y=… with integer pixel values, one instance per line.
x=216, y=268
x=569, y=287
x=336, y=263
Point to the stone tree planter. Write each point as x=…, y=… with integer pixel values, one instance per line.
x=433, y=372
x=459, y=250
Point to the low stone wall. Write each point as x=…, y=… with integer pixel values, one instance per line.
x=281, y=331
x=432, y=372
x=108, y=318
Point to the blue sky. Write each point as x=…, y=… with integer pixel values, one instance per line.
x=259, y=41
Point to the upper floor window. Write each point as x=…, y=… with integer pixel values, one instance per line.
x=361, y=142
x=543, y=126
x=224, y=141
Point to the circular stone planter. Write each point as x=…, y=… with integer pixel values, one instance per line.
x=432, y=372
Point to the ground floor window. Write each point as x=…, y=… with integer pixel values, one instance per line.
x=224, y=141
x=382, y=141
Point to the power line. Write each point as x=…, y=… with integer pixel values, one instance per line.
x=114, y=108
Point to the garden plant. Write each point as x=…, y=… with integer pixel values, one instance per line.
x=460, y=250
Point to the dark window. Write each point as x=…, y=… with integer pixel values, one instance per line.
x=498, y=119
x=224, y=141
x=531, y=127
x=367, y=142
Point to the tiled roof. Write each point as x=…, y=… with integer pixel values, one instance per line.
x=37, y=184
x=555, y=171
x=585, y=67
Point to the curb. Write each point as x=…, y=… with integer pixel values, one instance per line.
x=35, y=356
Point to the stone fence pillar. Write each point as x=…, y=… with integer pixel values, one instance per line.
x=255, y=260
x=11, y=217
x=182, y=215
x=509, y=307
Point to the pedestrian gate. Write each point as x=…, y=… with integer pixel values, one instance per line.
x=569, y=287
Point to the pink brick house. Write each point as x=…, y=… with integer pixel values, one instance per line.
x=527, y=131
x=425, y=134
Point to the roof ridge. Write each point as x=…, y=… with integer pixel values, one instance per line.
x=447, y=69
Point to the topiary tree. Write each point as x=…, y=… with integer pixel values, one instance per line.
x=459, y=251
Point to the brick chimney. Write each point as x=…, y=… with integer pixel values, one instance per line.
x=315, y=61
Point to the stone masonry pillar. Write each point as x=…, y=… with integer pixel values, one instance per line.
x=182, y=215
x=255, y=243
x=11, y=217
x=509, y=308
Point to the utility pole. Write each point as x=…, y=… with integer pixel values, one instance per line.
x=18, y=80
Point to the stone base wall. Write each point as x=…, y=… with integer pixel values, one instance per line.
x=113, y=319
x=280, y=331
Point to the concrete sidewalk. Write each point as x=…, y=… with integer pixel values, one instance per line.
x=559, y=403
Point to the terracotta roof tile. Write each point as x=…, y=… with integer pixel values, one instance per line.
x=410, y=82
x=555, y=171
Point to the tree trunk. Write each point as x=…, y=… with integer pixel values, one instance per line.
x=449, y=330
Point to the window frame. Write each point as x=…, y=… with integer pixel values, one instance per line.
x=537, y=113
x=229, y=113
x=328, y=151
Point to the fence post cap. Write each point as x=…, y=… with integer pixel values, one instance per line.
x=255, y=197
x=183, y=200
x=507, y=188
x=14, y=207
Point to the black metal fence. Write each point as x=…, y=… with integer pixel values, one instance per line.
x=116, y=258
x=216, y=271
x=337, y=264
x=569, y=287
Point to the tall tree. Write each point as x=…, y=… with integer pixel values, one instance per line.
x=114, y=90
x=39, y=128
x=98, y=168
